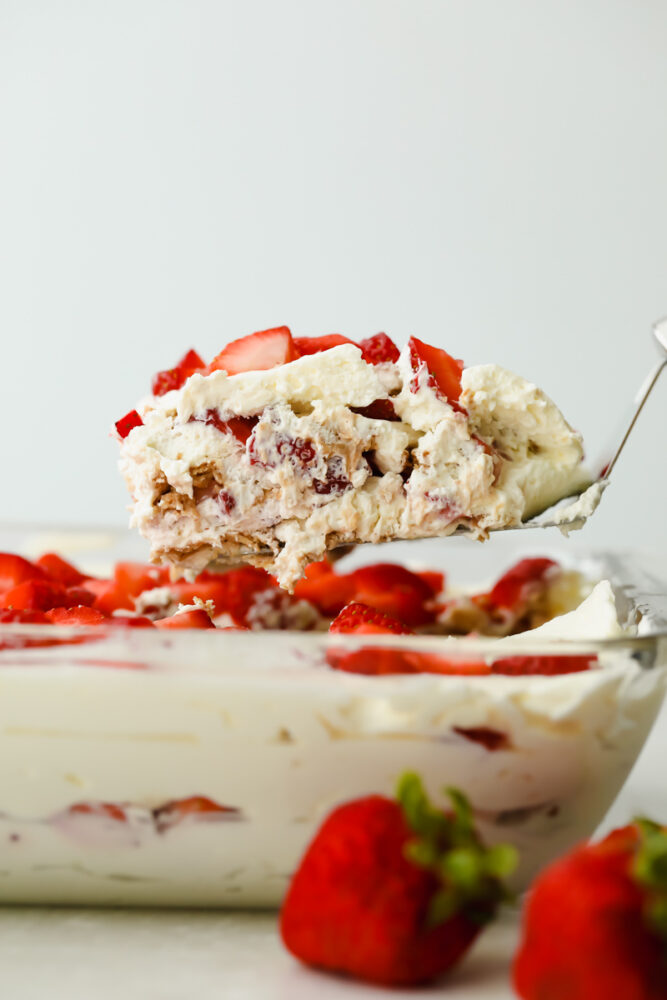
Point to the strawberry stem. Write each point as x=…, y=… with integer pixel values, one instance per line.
x=447, y=844
x=649, y=869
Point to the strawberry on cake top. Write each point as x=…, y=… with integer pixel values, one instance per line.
x=282, y=448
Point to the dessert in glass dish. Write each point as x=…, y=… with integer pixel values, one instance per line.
x=170, y=765
x=283, y=448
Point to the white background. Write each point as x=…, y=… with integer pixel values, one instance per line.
x=490, y=176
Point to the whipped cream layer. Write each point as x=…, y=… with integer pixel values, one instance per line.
x=260, y=725
x=278, y=466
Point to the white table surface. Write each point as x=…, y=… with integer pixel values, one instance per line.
x=78, y=954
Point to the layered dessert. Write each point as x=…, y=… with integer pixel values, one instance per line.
x=283, y=448
x=148, y=758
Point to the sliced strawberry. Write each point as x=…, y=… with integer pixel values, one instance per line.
x=313, y=345
x=173, y=378
x=22, y=616
x=34, y=595
x=434, y=581
x=256, y=352
x=59, y=570
x=79, y=615
x=133, y=578
x=379, y=409
x=79, y=595
x=240, y=427
x=15, y=569
x=109, y=810
x=127, y=423
x=130, y=621
x=195, y=807
x=378, y=349
x=196, y=618
x=441, y=370
x=546, y=665
x=395, y=591
x=516, y=584
x=329, y=592
x=362, y=619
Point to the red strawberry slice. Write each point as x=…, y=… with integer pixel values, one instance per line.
x=434, y=580
x=173, y=378
x=256, y=352
x=59, y=570
x=195, y=618
x=240, y=427
x=546, y=665
x=441, y=371
x=128, y=423
x=133, y=578
x=79, y=615
x=313, y=345
x=22, y=616
x=514, y=586
x=395, y=591
x=378, y=349
x=35, y=595
x=15, y=569
x=129, y=621
x=108, y=810
x=362, y=619
x=196, y=807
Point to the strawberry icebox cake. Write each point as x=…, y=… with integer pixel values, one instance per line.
x=174, y=733
x=283, y=448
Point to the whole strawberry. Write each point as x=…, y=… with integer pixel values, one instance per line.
x=393, y=892
x=595, y=925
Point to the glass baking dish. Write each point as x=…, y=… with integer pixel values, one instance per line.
x=144, y=767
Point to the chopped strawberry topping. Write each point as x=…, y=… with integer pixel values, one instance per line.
x=59, y=570
x=362, y=619
x=22, y=616
x=35, y=595
x=441, y=370
x=15, y=569
x=174, y=378
x=195, y=618
x=395, y=591
x=79, y=615
x=313, y=345
x=513, y=586
x=256, y=352
x=127, y=423
x=378, y=349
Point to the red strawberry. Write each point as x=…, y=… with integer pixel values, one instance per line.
x=195, y=807
x=313, y=345
x=516, y=585
x=256, y=352
x=34, y=595
x=361, y=619
x=173, y=378
x=240, y=427
x=109, y=810
x=441, y=371
x=59, y=570
x=547, y=665
x=378, y=349
x=329, y=592
x=595, y=924
x=195, y=618
x=129, y=621
x=127, y=423
x=22, y=616
x=395, y=591
x=79, y=615
x=393, y=892
x=15, y=569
